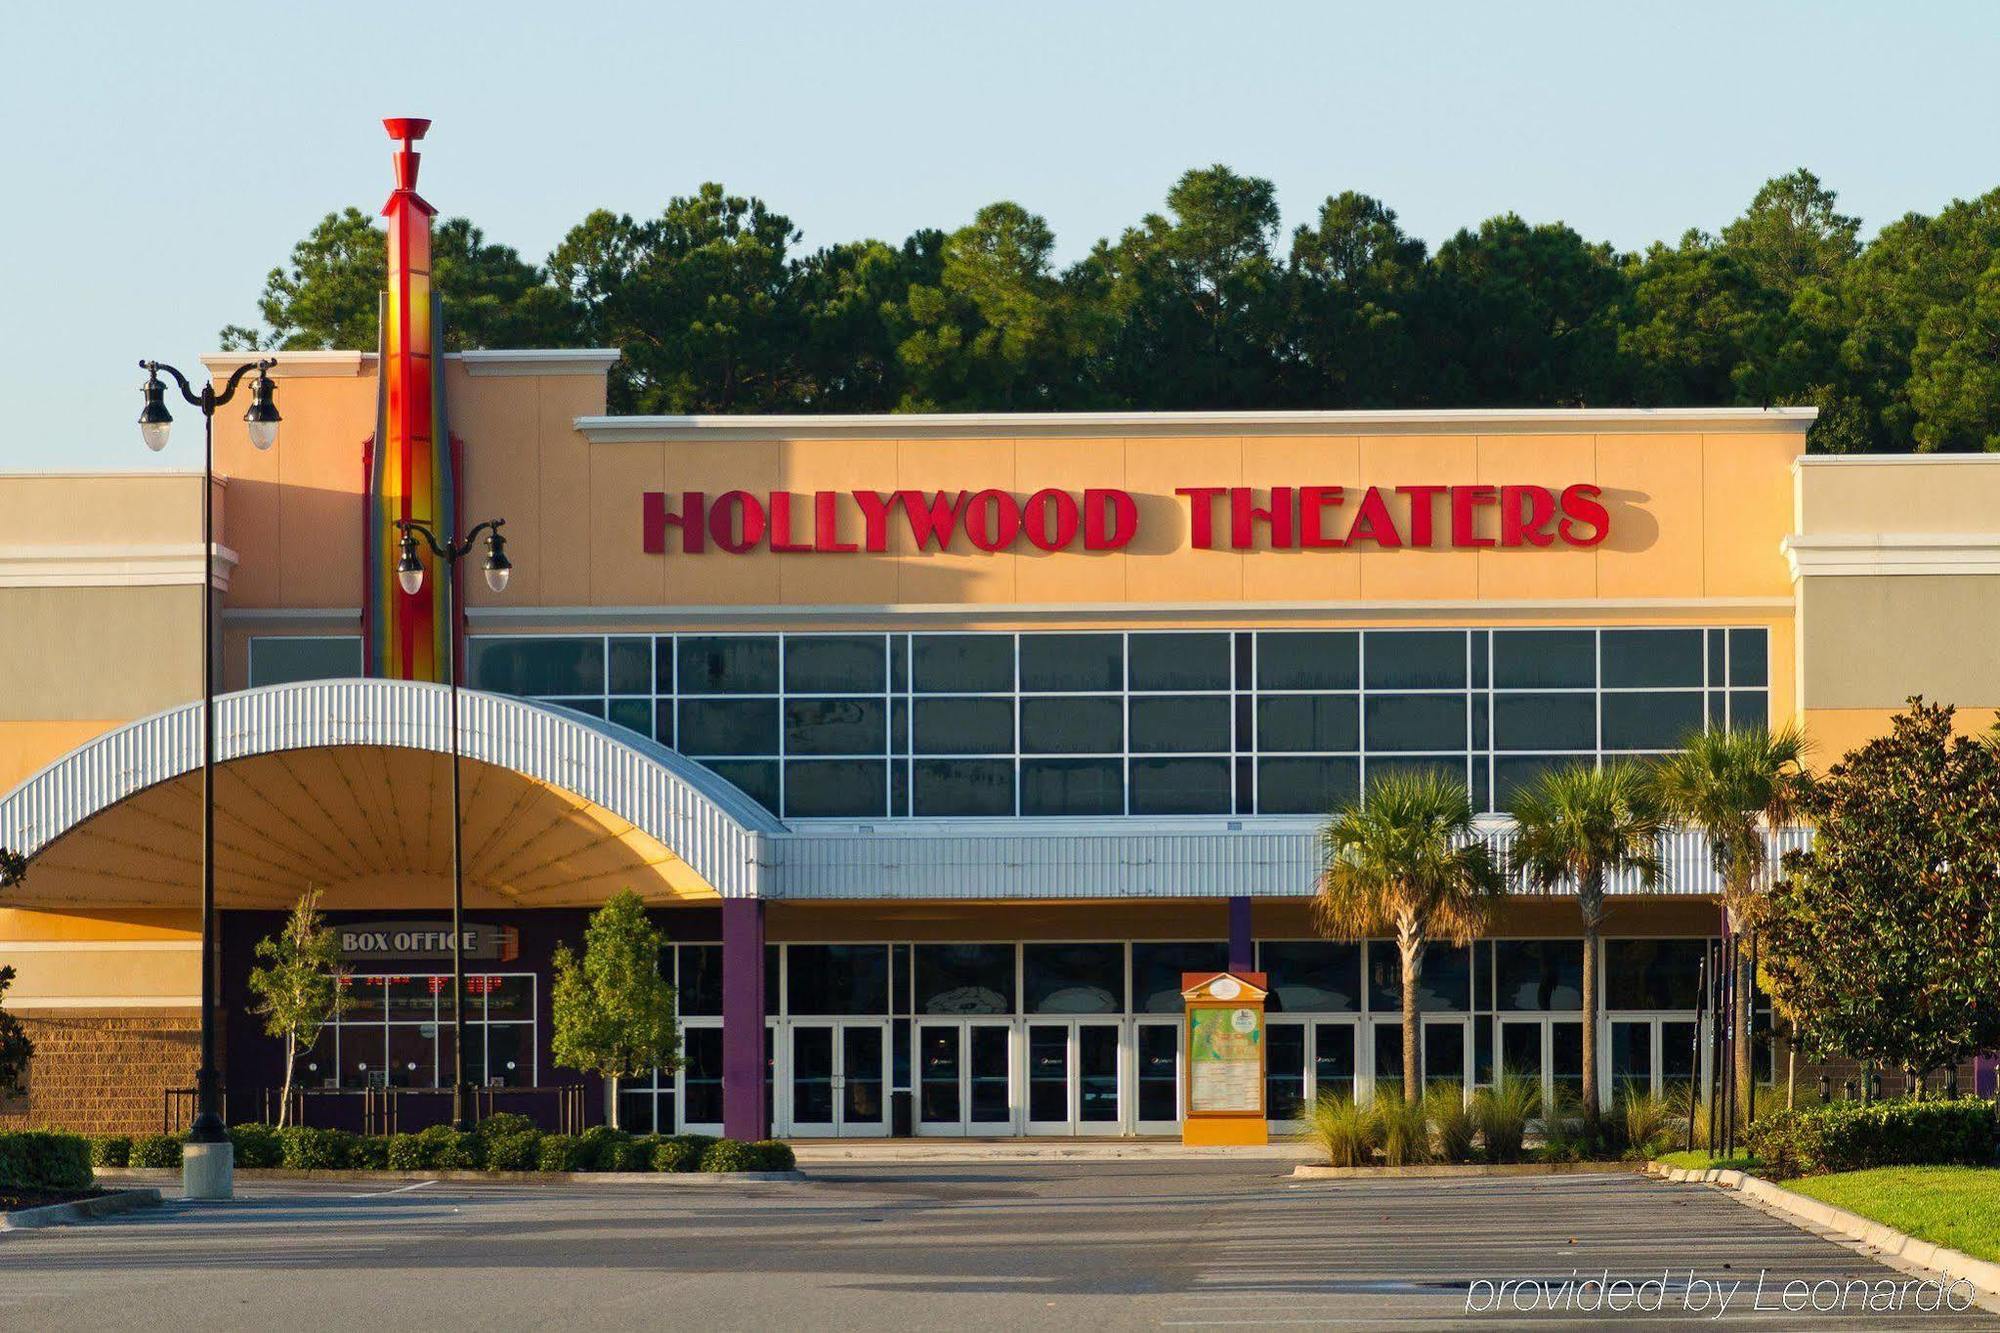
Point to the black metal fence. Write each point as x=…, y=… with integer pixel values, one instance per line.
x=558, y=1108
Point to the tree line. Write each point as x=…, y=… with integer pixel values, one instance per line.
x=718, y=307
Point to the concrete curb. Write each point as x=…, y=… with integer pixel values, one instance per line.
x=1467, y=1170
x=80, y=1210
x=1809, y=1212
x=695, y=1178
x=941, y=1151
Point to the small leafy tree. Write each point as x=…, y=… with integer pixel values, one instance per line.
x=1735, y=786
x=1883, y=939
x=1578, y=825
x=15, y=1047
x=614, y=1012
x=1407, y=859
x=299, y=985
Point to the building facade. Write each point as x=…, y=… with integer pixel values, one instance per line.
x=941, y=746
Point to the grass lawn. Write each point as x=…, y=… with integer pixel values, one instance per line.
x=1699, y=1160
x=1957, y=1206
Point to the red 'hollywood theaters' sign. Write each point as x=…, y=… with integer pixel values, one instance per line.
x=1238, y=518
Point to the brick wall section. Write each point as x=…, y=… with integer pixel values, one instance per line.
x=101, y=1071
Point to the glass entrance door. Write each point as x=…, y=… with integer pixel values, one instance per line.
x=1073, y=1082
x=1157, y=1079
x=965, y=1078
x=837, y=1078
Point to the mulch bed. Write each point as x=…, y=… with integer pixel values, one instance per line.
x=12, y=1199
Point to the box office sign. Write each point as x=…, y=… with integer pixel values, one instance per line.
x=368, y=940
x=1238, y=518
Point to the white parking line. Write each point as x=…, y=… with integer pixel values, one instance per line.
x=383, y=1194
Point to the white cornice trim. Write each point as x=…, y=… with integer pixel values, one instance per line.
x=528, y=617
x=295, y=365
x=111, y=474
x=947, y=425
x=1895, y=460
x=485, y=361
x=1885, y=553
x=534, y=361
x=162, y=565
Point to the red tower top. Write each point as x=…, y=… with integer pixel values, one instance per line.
x=408, y=129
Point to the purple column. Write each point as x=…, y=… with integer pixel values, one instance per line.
x=1984, y=1068
x=743, y=1019
x=1242, y=954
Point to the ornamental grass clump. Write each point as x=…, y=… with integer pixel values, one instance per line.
x=1503, y=1112
x=1454, y=1125
x=1343, y=1129
x=1405, y=1132
x=1650, y=1126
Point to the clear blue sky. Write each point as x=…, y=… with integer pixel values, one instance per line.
x=158, y=160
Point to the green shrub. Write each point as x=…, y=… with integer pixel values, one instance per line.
x=514, y=1152
x=1503, y=1112
x=680, y=1152
x=1853, y=1136
x=37, y=1159
x=1345, y=1130
x=561, y=1152
x=604, y=1148
x=505, y=1124
x=302, y=1148
x=365, y=1152
x=637, y=1155
x=256, y=1146
x=111, y=1150
x=1405, y=1138
x=1454, y=1125
x=406, y=1153
x=774, y=1155
x=156, y=1150
x=729, y=1155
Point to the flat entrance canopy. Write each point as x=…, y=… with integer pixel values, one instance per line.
x=345, y=786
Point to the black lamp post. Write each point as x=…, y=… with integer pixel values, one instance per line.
x=410, y=574
x=154, y=424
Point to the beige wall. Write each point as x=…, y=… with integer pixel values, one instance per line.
x=1872, y=641
x=1897, y=567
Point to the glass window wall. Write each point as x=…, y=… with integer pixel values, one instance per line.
x=1142, y=723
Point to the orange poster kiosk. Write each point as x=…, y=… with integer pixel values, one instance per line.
x=1223, y=1036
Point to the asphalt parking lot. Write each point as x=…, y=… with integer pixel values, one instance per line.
x=998, y=1245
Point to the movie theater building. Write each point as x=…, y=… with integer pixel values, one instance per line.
x=941, y=746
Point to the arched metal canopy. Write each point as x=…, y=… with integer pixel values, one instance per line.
x=706, y=822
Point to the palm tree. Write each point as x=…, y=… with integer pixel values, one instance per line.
x=1577, y=826
x=1733, y=786
x=1407, y=860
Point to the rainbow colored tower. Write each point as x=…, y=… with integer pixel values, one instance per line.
x=412, y=470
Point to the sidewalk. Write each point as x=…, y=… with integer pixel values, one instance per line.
x=815, y=1152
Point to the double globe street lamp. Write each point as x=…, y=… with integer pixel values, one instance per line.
x=410, y=575
x=208, y=1171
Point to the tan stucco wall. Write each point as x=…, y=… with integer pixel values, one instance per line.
x=1899, y=493
x=1874, y=640
x=1898, y=592
x=74, y=653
